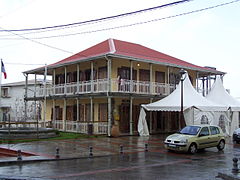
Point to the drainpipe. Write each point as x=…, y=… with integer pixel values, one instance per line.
x=151, y=79
x=131, y=114
x=77, y=109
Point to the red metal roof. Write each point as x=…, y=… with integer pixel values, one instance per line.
x=94, y=51
x=130, y=50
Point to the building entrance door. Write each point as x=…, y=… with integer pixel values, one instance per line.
x=124, y=118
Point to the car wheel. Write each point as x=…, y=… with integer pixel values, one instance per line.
x=192, y=148
x=221, y=145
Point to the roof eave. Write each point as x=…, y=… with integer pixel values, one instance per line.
x=64, y=64
x=123, y=57
x=166, y=64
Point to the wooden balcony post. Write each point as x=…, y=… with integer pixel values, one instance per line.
x=54, y=80
x=151, y=79
x=197, y=81
x=207, y=85
x=109, y=68
x=92, y=77
x=131, y=76
x=35, y=85
x=26, y=95
x=78, y=78
x=65, y=80
x=168, y=81
x=203, y=84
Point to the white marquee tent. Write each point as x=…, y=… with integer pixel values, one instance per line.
x=218, y=94
x=196, y=107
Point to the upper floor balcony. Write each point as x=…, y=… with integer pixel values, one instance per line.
x=103, y=85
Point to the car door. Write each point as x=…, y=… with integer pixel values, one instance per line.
x=215, y=135
x=204, y=139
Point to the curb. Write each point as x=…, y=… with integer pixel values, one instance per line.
x=228, y=176
x=25, y=161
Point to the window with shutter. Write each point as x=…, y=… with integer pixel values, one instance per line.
x=102, y=112
x=81, y=113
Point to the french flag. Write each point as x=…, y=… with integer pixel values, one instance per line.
x=3, y=70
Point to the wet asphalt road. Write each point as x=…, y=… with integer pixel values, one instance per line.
x=134, y=163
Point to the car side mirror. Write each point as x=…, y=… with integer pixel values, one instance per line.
x=200, y=135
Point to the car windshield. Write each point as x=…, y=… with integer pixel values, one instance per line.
x=191, y=130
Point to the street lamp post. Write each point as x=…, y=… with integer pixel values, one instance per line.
x=181, y=118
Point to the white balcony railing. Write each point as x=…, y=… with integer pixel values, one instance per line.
x=81, y=127
x=102, y=85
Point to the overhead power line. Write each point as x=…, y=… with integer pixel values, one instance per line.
x=129, y=25
x=37, y=42
x=24, y=64
x=116, y=27
x=100, y=19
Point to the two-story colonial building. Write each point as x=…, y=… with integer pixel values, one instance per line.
x=105, y=85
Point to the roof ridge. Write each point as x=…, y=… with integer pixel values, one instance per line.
x=111, y=45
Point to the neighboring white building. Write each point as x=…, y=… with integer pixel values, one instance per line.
x=12, y=105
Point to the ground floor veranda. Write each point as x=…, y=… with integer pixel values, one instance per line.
x=98, y=115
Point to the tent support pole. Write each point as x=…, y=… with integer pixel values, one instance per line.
x=150, y=122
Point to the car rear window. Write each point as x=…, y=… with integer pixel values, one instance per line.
x=214, y=130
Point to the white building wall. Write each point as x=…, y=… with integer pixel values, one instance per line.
x=13, y=106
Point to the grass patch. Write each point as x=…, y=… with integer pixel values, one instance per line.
x=61, y=136
x=68, y=135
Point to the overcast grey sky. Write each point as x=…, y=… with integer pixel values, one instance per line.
x=206, y=38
